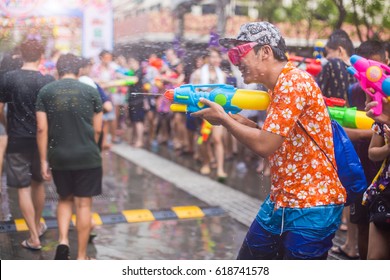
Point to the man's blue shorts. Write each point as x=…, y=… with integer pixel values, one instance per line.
x=291, y=233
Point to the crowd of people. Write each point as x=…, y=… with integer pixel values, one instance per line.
x=147, y=118
x=54, y=123
x=50, y=133
x=364, y=239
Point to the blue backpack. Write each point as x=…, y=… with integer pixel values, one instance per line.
x=349, y=167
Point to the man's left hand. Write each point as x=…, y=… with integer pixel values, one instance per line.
x=215, y=114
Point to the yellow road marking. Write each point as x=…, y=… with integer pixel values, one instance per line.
x=138, y=215
x=187, y=212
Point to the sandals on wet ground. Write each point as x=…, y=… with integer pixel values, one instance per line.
x=62, y=252
x=339, y=251
x=43, y=229
x=27, y=245
x=221, y=175
x=92, y=236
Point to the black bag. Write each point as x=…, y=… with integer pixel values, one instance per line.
x=380, y=210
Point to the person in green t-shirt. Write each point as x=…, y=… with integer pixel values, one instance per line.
x=69, y=117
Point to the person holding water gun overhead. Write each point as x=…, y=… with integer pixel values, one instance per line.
x=299, y=218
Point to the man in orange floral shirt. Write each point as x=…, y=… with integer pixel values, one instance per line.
x=302, y=213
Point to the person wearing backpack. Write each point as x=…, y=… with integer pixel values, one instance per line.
x=299, y=218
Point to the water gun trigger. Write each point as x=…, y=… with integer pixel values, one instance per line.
x=376, y=96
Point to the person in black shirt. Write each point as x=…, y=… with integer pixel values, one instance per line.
x=69, y=116
x=8, y=63
x=19, y=89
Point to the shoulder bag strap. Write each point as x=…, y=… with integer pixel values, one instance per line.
x=312, y=139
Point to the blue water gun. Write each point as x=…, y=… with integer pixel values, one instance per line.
x=186, y=98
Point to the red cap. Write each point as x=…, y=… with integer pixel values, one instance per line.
x=169, y=94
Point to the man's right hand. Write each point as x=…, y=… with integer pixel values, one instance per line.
x=45, y=171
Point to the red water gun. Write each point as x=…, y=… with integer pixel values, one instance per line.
x=310, y=65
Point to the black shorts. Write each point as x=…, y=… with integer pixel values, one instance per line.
x=380, y=210
x=136, y=113
x=21, y=168
x=359, y=214
x=80, y=183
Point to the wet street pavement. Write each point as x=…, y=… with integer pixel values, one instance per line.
x=155, y=205
x=126, y=187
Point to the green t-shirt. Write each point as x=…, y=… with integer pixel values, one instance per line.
x=70, y=106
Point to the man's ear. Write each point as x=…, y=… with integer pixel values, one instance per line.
x=266, y=52
x=342, y=51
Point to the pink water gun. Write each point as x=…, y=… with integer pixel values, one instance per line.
x=372, y=74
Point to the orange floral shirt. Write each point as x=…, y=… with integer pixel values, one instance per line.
x=302, y=176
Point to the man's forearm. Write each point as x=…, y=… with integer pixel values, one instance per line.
x=97, y=125
x=42, y=139
x=358, y=134
x=97, y=136
x=2, y=115
x=248, y=136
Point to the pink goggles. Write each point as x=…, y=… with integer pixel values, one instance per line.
x=237, y=53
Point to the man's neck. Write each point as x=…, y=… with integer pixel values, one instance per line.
x=34, y=66
x=69, y=76
x=272, y=76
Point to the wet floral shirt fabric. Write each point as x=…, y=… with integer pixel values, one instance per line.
x=302, y=176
